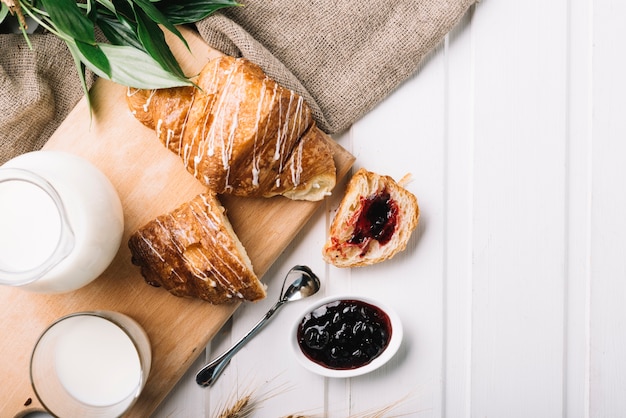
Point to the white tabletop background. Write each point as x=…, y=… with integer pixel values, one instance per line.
x=512, y=290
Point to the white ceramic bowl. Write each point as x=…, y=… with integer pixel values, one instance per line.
x=388, y=352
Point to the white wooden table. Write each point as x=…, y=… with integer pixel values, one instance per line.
x=513, y=288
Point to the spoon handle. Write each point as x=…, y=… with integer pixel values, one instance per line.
x=209, y=373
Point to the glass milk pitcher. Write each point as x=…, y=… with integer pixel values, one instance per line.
x=61, y=222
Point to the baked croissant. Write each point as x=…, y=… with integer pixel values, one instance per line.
x=240, y=132
x=194, y=252
x=374, y=221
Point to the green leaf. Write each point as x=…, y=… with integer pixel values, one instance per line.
x=117, y=22
x=70, y=20
x=181, y=12
x=153, y=40
x=80, y=67
x=134, y=68
x=123, y=6
x=156, y=16
x=124, y=14
x=94, y=55
x=107, y=4
x=4, y=11
x=91, y=10
x=124, y=10
x=117, y=32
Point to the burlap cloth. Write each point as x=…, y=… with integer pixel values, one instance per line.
x=344, y=57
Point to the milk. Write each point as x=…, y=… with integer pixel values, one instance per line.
x=96, y=362
x=60, y=226
x=30, y=225
x=90, y=364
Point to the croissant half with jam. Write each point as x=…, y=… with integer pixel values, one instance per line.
x=373, y=223
x=240, y=132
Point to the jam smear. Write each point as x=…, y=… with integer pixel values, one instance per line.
x=344, y=334
x=377, y=219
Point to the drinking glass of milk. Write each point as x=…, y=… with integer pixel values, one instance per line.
x=90, y=364
x=61, y=222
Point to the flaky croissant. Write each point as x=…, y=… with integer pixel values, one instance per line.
x=193, y=251
x=241, y=133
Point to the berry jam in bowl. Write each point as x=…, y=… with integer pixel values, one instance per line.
x=345, y=336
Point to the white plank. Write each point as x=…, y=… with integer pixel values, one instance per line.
x=518, y=275
x=458, y=216
x=578, y=189
x=608, y=224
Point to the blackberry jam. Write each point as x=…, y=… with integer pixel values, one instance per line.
x=344, y=334
x=376, y=220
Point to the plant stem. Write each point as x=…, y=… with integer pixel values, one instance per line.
x=42, y=20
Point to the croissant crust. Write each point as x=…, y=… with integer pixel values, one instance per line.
x=241, y=132
x=193, y=251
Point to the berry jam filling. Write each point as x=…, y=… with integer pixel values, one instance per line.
x=377, y=219
x=344, y=334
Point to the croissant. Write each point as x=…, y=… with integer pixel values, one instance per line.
x=240, y=132
x=194, y=252
x=374, y=221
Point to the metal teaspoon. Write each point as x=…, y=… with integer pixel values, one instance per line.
x=305, y=284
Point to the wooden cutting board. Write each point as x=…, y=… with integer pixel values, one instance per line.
x=150, y=181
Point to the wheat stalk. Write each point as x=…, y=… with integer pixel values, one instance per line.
x=248, y=402
x=243, y=408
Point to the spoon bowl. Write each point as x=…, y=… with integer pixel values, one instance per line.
x=304, y=284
